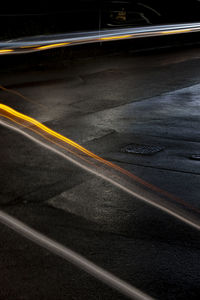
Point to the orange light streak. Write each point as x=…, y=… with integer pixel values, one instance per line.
x=117, y=37
x=6, y=51
x=46, y=138
x=51, y=46
x=48, y=134
x=29, y=46
x=176, y=31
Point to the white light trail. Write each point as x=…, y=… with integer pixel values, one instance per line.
x=44, y=42
x=73, y=257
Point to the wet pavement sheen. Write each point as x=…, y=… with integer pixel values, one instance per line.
x=103, y=103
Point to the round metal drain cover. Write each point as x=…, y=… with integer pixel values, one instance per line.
x=142, y=149
x=195, y=156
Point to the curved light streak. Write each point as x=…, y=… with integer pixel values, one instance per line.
x=51, y=46
x=70, y=142
x=85, y=155
x=44, y=42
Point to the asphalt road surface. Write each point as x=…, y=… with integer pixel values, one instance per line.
x=111, y=104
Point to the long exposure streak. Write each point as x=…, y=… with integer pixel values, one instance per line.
x=4, y=51
x=73, y=257
x=52, y=46
x=44, y=42
x=117, y=37
x=84, y=154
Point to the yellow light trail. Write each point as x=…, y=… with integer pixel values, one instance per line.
x=37, y=44
x=52, y=46
x=176, y=31
x=55, y=138
x=29, y=46
x=116, y=37
x=2, y=51
x=46, y=138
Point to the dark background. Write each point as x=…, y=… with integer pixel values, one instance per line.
x=92, y=15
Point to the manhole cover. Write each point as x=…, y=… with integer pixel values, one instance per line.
x=195, y=156
x=142, y=149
